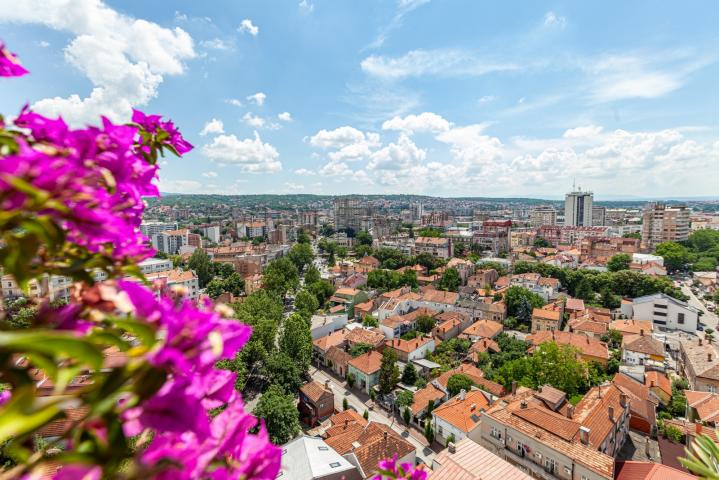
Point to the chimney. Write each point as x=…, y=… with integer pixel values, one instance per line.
x=699, y=428
x=473, y=407
x=452, y=447
x=540, y=389
x=462, y=393
x=584, y=435
x=623, y=400
x=523, y=404
x=611, y=413
x=700, y=342
x=514, y=387
x=709, y=357
x=327, y=385
x=385, y=435
x=347, y=422
x=570, y=411
x=641, y=332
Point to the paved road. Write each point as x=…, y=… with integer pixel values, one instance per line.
x=709, y=319
x=423, y=453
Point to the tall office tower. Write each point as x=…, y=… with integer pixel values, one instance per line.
x=599, y=216
x=663, y=223
x=543, y=215
x=351, y=213
x=416, y=211
x=578, y=208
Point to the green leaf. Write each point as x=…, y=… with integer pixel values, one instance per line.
x=20, y=415
x=54, y=343
x=142, y=331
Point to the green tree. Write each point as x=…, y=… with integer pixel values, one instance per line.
x=301, y=255
x=322, y=290
x=360, y=349
x=302, y=237
x=514, y=296
x=281, y=276
x=541, y=242
x=366, y=414
x=312, y=275
x=345, y=404
x=200, y=263
x=524, y=311
x=676, y=256
x=331, y=260
x=450, y=439
x=457, y=383
x=351, y=380
x=296, y=341
x=404, y=398
x=388, y=371
x=280, y=414
x=409, y=374
x=620, y=261
x=584, y=290
x=263, y=312
x=364, y=238
x=450, y=280
x=613, y=338
x=709, y=335
x=407, y=416
x=636, y=235
x=215, y=288
x=425, y=323
x=306, y=304
x=609, y=300
x=370, y=321
x=705, y=264
x=428, y=431
x=703, y=240
x=283, y=370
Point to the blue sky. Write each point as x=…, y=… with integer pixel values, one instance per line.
x=440, y=97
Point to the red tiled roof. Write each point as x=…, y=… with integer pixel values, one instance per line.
x=314, y=390
x=649, y=471
x=586, y=345
x=367, y=363
x=463, y=413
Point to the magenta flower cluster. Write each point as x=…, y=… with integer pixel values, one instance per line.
x=9, y=64
x=405, y=471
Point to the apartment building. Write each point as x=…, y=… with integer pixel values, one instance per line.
x=570, y=443
x=253, y=229
x=570, y=234
x=150, y=229
x=170, y=242
x=439, y=247
x=549, y=317
x=599, y=215
x=212, y=232
x=664, y=223
x=578, y=208
x=171, y=279
x=602, y=249
x=543, y=215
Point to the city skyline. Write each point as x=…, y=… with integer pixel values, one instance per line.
x=415, y=96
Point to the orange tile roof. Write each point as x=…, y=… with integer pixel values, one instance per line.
x=423, y=396
x=367, y=363
x=440, y=296
x=407, y=346
x=582, y=325
x=592, y=411
x=586, y=345
x=314, y=390
x=659, y=380
x=347, y=291
x=377, y=442
x=474, y=373
x=633, y=327
x=471, y=461
x=365, y=335
x=408, y=318
x=484, y=329
x=546, y=419
x=649, y=471
x=337, y=356
x=643, y=344
x=483, y=345
x=463, y=413
x=576, y=304
x=548, y=312
x=348, y=415
x=338, y=337
x=705, y=403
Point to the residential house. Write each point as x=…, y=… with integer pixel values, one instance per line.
x=483, y=278
x=172, y=280
x=481, y=346
x=702, y=407
x=398, y=325
x=586, y=325
x=548, y=317
x=590, y=349
x=464, y=268
x=660, y=386
x=450, y=324
x=574, y=307
x=474, y=374
x=316, y=402
x=468, y=460
x=699, y=362
x=654, y=269
x=365, y=445
x=643, y=350
x=369, y=261
x=321, y=346
x=354, y=281
x=348, y=298
x=365, y=370
x=414, y=349
x=324, y=324
x=337, y=360
x=363, y=309
x=369, y=336
x=664, y=311
x=310, y=458
x=642, y=403
x=632, y=327
x=631, y=470
x=482, y=329
x=432, y=392
x=459, y=417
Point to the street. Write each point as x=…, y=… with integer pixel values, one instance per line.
x=424, y=453
x=709, y=319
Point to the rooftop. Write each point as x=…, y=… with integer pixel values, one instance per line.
x=308, y=458
x=367, y=363
x=471, y=461
x=463, y=410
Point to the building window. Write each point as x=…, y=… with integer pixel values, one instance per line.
x=660, y=314
x=680, y=318
x=659, y=305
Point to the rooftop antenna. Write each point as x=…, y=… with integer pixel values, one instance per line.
x=574, y=184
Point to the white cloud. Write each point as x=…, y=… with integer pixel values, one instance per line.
x=552, y=20
x=215, y=44
x=212, y=127
x=471, y=145
x=234, y=102
x=43, y=44
x=304, y=172
x=246, y=26
x=487, y=99
x=294, y=186
x=306, y=6
x=255, y=121
x=441, y=62
x=424, y=122
x=209, y=174
x=251, y=155
x=124, y=58
x=285, y=117
x=583, y=132
x=257, y=98
x=403, y=8
x=401, y=156
x=349, y=143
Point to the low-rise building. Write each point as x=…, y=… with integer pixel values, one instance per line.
x=590, y=349
x=664, y=311
x=548, y=317
x=439, y=247
x=702, y=407
x=482, y=329
x=316, y=402
x=468, y=460
x=699, y=361
x=643, y=350
x=310, y=458
x=450, y=324
x=459, y=417
x=365, y=370
x=324, y=324
x=408, y=350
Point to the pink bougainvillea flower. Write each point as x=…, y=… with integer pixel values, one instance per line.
x=9, y=64
x=155, y=125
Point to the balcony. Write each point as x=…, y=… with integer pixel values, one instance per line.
x=526, y=463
